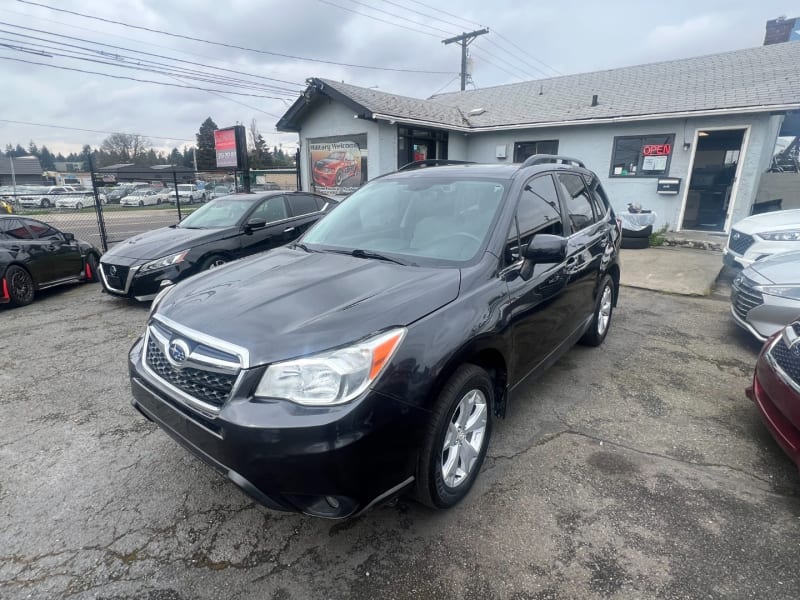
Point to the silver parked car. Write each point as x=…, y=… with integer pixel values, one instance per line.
x=766, y=295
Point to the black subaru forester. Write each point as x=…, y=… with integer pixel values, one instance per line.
x=370, y=357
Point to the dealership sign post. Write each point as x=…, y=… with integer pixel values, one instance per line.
x=231, y=148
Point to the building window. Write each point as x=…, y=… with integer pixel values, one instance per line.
x=523, y=150
x=642, y=155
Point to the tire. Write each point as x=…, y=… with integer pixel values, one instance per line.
x=20, y=286
x=158, y=201
x=78, y=206
x=339, y=178
x=141, y=202
x=635, y=243
x=445, y=448
x=45, y=203
x=603, y=310
x=91, y=264
x=642, y=233
x=212, y=262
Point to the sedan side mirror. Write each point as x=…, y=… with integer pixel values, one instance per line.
x=255, y=223
x=543, y=249
x=69, y=237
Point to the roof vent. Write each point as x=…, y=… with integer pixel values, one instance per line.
x=476, y=111
x=594, y=100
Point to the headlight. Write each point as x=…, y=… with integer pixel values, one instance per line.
x=332, y=377
x=781, y=236
x=784, y=291
x=163, y=263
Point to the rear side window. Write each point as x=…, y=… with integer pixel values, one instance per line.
x=271, y=210
x=599, y=198
x=302, y=204
x=41, y=231
x=14, y=229
x=579, y=205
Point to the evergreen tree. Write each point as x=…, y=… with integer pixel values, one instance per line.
x=175, y=157
x=47, y=159
x=206, y=155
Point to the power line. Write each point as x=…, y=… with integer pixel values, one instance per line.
x=472, y=23
x=391, y=14
x=445, y=85
x=486, y=60
x=226, y=45
x=191, y=87
x=73, y=38
x=155, y=137
x=355, y=12
x=502, y=37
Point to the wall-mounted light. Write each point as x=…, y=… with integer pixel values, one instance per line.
x=686, y=146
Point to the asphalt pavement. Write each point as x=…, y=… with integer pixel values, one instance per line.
x=635, y=470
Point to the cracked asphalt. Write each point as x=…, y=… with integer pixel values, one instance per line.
x=637, y=470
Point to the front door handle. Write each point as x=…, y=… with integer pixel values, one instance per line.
x=288, y=230
x=15, y=248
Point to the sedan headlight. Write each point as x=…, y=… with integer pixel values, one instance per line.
x=784, y=291
x=781, y=236
x=163, y=263
x=332, y=377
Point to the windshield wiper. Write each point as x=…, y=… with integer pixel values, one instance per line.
x=359, y=253
x=302, y=246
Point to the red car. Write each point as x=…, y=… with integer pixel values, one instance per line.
x=776, y=388
x=335, y=168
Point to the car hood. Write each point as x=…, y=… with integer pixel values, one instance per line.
x=783, y=269
x=780, y=220
x=164, y=241
x=329, y=162
x=288, y=303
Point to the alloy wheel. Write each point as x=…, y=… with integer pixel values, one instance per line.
x=604, y=311
x=464, y=439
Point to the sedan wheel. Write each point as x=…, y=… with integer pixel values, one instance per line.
x=603, y=312
x=78, y=206
x=45, y=203
x=20, y=286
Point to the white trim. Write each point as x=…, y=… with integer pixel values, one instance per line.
x=737, y=176
x=597, y=121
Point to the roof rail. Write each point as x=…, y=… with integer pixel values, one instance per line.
x=538, y=159
x=433, y=162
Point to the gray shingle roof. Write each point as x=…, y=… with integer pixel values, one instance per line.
x=763, y=76
x=22, y=166
x=766, y=77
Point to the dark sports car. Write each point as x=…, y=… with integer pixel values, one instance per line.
x=35, y=256
x=225, y=229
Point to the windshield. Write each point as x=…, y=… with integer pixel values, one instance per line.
x=434, y=219
x=336, y=155
x=217, y=214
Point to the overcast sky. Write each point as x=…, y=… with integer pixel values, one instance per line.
x=528, y=40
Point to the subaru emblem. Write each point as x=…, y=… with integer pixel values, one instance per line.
x=178, y=352
x=113, y=270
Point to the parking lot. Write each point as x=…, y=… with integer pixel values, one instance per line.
x=635, y=470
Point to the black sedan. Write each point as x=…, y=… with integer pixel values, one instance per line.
x=223, y=230
x=35, y=256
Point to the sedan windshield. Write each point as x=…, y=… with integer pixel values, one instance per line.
x=433, y=219
x=218, y=214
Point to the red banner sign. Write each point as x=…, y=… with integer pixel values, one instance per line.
x=225, y=145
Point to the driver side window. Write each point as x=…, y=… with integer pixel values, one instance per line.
x=538, y=211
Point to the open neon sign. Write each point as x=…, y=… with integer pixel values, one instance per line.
x=657, y=149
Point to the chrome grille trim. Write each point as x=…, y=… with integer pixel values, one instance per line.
x=207, y=340
x=744, y=296
x=778, y=361
x=741, y=244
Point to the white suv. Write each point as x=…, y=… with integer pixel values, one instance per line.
x=189, y=193
x=759, y=236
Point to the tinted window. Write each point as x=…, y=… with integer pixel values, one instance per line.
x=272, y=209
x=579, y=206
x=538, y=212
x=523, y=150
x=641, y=156
x=41, y=231
x=599, y=198
x=14, y=229
x=302, y=204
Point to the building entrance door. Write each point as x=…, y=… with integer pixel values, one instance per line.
x=715, y=170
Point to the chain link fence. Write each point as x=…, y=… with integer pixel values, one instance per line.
x=118, y=205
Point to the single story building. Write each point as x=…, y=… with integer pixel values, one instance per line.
x=24, y=170
x=688, y=139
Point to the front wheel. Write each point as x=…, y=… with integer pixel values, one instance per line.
x=141, y=202
x=212, y=262
x=456, y=438
x=20, y=285
x=78, y=206
x=603, y=310
x=45, y=203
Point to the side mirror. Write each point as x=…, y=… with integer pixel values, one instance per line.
x=69, y=237
x=255, y=223
x=543, y=249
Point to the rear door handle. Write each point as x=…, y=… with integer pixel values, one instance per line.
x=15, y=248
x=288, y=230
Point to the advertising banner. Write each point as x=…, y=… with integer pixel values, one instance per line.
x=225, y=145
x=338, y=165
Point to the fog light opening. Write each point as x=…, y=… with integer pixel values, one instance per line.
x=332, y=502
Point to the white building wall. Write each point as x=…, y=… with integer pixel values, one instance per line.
x=594, y=144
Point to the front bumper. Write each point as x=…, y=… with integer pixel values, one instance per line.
x=329, y=462
x=778, y=401
x=139, y=286
x=324, y=178
x=760, y=249
x=769, y=317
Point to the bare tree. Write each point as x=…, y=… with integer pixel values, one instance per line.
x=126, y=147
x=251, y=145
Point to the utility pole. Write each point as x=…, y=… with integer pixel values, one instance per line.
x=465, y=39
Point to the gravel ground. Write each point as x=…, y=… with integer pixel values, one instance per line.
x=637, y=470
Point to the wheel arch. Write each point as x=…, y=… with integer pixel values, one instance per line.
x=614, y=273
